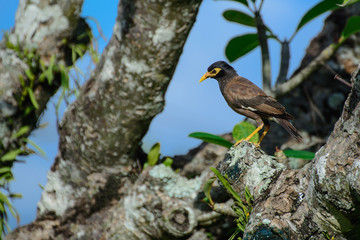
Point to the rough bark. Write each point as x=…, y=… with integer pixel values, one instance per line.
x=160, y=204
x=322, y=197
x=101, y=131
x=43, y=26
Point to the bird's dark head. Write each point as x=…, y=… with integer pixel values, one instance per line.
x=219, y=70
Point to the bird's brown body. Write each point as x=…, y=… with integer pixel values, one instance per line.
x=247, y=99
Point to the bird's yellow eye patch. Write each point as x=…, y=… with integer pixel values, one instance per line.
x=210, y=74
x=215, y=71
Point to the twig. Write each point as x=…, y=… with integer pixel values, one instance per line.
x=261, y=4
x=337, y=77
x=208, y=218
x=314, y=109
x=101, y=33
x=296, y=80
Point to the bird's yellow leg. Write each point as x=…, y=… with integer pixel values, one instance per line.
x=266, y=129
x=251, y=135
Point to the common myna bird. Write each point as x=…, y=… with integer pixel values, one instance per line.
x=247, y=99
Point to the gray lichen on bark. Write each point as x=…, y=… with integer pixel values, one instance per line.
x=101, y=130
x=162, y=208
x=302, y=204
x=249, y=166
x=42, y=26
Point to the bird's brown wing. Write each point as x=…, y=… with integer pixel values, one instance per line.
x=241, y=93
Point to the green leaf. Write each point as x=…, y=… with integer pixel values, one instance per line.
x=32, y=98
x=9, y=156
x=236, y=233
x=248, y=197
x=241, y=45
x=62, y=96
x=21, y=79
x=35, y=146
x=348, y=2
x=242, y=130
x=210, y=138
x=16, y=195
x=41, y=77
x=154, y=154
x=50, y=71
x=80, y=50
x=239, y=17
x=29, y=74
x=168, y=162
x=73, y=54
x=207, y=188
x=352, y=26
x=6, y=177
x=4, y=199
x=317, y=10
x=2, y=209
x=227, y=185
x=146, y=165
x=23, y=130
x=242, y=228
x=64, y=77
x=299, y=154
x=5, y=170
x=28, y=110
x=240, y=1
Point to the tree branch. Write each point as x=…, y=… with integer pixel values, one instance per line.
x=284, y=64
x=296, y=80
x=265, y=56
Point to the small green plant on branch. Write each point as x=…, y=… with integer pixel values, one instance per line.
x=6, y=176
x=38, y=72
x=241, y=209
x=328, y=236
x=153, y=157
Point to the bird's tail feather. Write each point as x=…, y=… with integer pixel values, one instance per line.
x=289, y=128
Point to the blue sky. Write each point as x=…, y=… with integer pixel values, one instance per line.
x=190, y=106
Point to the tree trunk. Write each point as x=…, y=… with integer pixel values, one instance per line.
x=101, y=131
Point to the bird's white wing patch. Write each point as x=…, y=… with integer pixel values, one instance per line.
x=248, y=108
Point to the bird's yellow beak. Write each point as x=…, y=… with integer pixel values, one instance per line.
x=205, y=76
x=210, y=74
